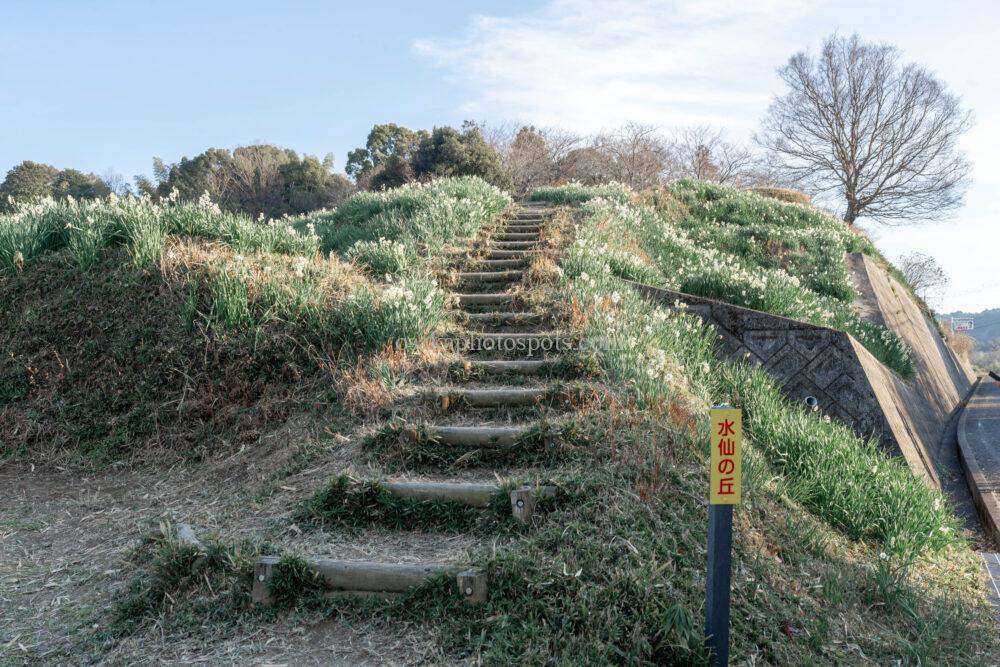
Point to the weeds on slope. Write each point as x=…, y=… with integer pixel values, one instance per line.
x=423, y=216
x=138, y=223
x=182, y=290
x=847, y=481
x=663, y=252
x=577, y=193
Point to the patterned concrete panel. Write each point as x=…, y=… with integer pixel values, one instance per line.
x=851, y=385
x=787, y=364
x=806, y=359
x=765, y=343
x=800, y=388
x=826, y=368
x=808, y=342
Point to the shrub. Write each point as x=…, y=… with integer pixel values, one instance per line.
x=401, y=313
x=382, y=257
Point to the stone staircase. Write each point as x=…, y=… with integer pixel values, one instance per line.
x=492, y=408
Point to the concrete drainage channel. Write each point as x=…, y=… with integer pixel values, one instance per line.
x=487, y=301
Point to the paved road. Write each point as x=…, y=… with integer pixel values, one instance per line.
x=982, y=424
x=979, y=445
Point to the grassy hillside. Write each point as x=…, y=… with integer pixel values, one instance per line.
x=841, y=555
x=178, y=328
x=750, y=250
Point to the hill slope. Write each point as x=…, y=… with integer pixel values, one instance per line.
x=842, y=555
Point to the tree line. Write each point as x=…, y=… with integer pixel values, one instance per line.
x=869, y=135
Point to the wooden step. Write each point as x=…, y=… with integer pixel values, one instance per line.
x=513, y=245
x=490, y=398
x=477, y=436
x=534, y=342
x=504, y=318
x=511, y=254
x=372, y=578
x=489, y=276
x=512, y=366
x=516, y=237
x=523, y=500
x=473, y=495
x=524, y=229
x=507, y=263
x=483, y=299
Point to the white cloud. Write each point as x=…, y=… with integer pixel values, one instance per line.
x=588, y=65
x=592, y=65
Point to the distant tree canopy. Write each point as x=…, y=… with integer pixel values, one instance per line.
x=257, y=180
x=394, y=155
x=384, y=142
x=450, y=152
x=31, y=180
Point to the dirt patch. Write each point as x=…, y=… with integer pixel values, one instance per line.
x=66, y=545
x=100, y=368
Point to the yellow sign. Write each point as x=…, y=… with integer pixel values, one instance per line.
x=727, y=456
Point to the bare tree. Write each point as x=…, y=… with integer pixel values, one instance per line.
x=879, y=135
x=528, y=162
x=704, y=153
x=255, y=180
x=116, y=182
x=560, y=142
x=587, y=165
x=530, y=155
x=637, y=154
x=924, y=274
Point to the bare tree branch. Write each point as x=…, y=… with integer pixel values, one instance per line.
x=880, y=136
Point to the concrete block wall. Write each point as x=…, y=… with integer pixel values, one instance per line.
x=808, y=360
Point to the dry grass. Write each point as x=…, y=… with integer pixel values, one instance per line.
x=961, y=343
x=784, y=194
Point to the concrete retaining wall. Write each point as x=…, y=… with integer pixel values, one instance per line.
x=808, y=360
x=908, y=417
x=941, y=380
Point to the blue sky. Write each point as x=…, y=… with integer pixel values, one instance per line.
x=108, y=85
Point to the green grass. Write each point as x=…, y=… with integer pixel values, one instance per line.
x=577, y=193
x=849, y=482
x=423, y=216
x=741, y=248
x=215, y=580
x=382, y=257
x=140, y=224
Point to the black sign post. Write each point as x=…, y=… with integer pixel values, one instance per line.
x=720, y=559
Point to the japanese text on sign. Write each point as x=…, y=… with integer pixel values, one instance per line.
x=727, y=456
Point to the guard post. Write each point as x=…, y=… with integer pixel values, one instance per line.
x=725, y=491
